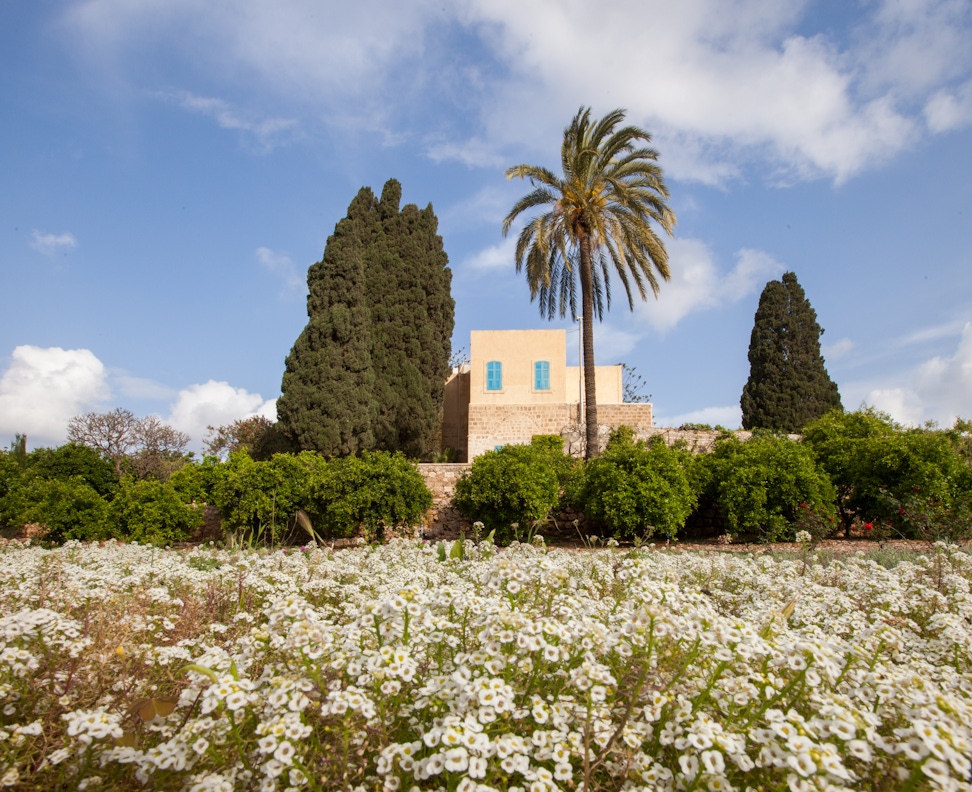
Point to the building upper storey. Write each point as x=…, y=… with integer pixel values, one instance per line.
x=530, y=367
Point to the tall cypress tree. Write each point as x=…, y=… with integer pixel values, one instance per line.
x=328, y=390
x=379, y=336
x=788, y=383
x=409, y=290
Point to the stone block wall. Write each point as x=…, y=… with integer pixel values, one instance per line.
x=508, y=424
x=442, y=520
x=492, y=425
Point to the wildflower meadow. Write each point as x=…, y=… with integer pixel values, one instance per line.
x=397, y=667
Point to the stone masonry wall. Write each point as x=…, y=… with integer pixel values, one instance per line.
x=442, y=520
x=509, y=424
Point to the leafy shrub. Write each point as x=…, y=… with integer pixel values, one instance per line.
x=259, y=500
x=151, y=511
x=761, y=486
x=876, y=464
x=515, y=485
x=69, y=508
x=72, y=460
x=638, y=488
x=196, y=481
x=919, y=516
x=376, y=489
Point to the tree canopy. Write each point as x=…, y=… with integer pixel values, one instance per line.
x=788, y=384
x=369, y=369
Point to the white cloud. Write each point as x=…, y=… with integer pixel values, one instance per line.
x=215, y=404
x=728, y=81
x=913, y=46
x=611, y=344
x=939, y=390
x=43, y=388
x=838, y=349
x=729, y=417
x=51, y=244
x=283, y=267
x=485, y=207
x=902, y=404
x=723, y=83
x=474, y=152
x=140, y=388
x=268, y=132
x=697, y=285
x=496, y=258
x=315, y=55
x=950, y=109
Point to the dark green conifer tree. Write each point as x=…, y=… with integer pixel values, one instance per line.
x=379, y=337
x=788, y=383
x=328, y=391
x=409, y=291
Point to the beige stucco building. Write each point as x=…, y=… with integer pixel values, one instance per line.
x=517, y=384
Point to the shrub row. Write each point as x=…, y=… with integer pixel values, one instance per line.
x=849, y=468
x=73, y=493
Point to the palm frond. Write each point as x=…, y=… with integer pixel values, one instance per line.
x=612, y=195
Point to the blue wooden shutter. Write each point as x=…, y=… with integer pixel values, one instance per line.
x=541, y=375
x=494, y=375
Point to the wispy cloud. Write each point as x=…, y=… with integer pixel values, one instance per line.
x=729, y=417
x=51, y=244
x=267, y=132
x=474, y=152
x=934, y=333
x=725, y=84
x=697, y=284
x=837, y=349
x=283, y=268
x=939, y=389
x=500, y=257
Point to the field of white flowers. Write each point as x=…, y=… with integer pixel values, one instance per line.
x=388, y=668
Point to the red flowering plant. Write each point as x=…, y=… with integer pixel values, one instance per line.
x=819, y=523
x=926, y=517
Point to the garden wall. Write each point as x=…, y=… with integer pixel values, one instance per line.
x=521, y=423
x=492, y=425
x=442, y=520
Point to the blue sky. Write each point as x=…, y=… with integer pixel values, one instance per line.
x=170, y=168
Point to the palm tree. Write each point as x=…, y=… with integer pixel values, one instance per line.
x=601, y=213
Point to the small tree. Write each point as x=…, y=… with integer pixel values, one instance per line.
x=149, y=446
x=788, y=384
x=67, y=508
x=509, y=490
x=113, y=433
x=257, y=435
x=151, y=511
x=633, y=386
x=375, y=489
x=638, y=488
x=765, y=485
x=878, y=465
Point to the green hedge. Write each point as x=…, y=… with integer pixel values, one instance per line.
x=511, y=489
x=765, y=486
x=638, y=488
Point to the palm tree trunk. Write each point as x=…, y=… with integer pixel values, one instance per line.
x=592, y=447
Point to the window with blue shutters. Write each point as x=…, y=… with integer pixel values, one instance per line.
x=494, y=375
x=541, y=375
